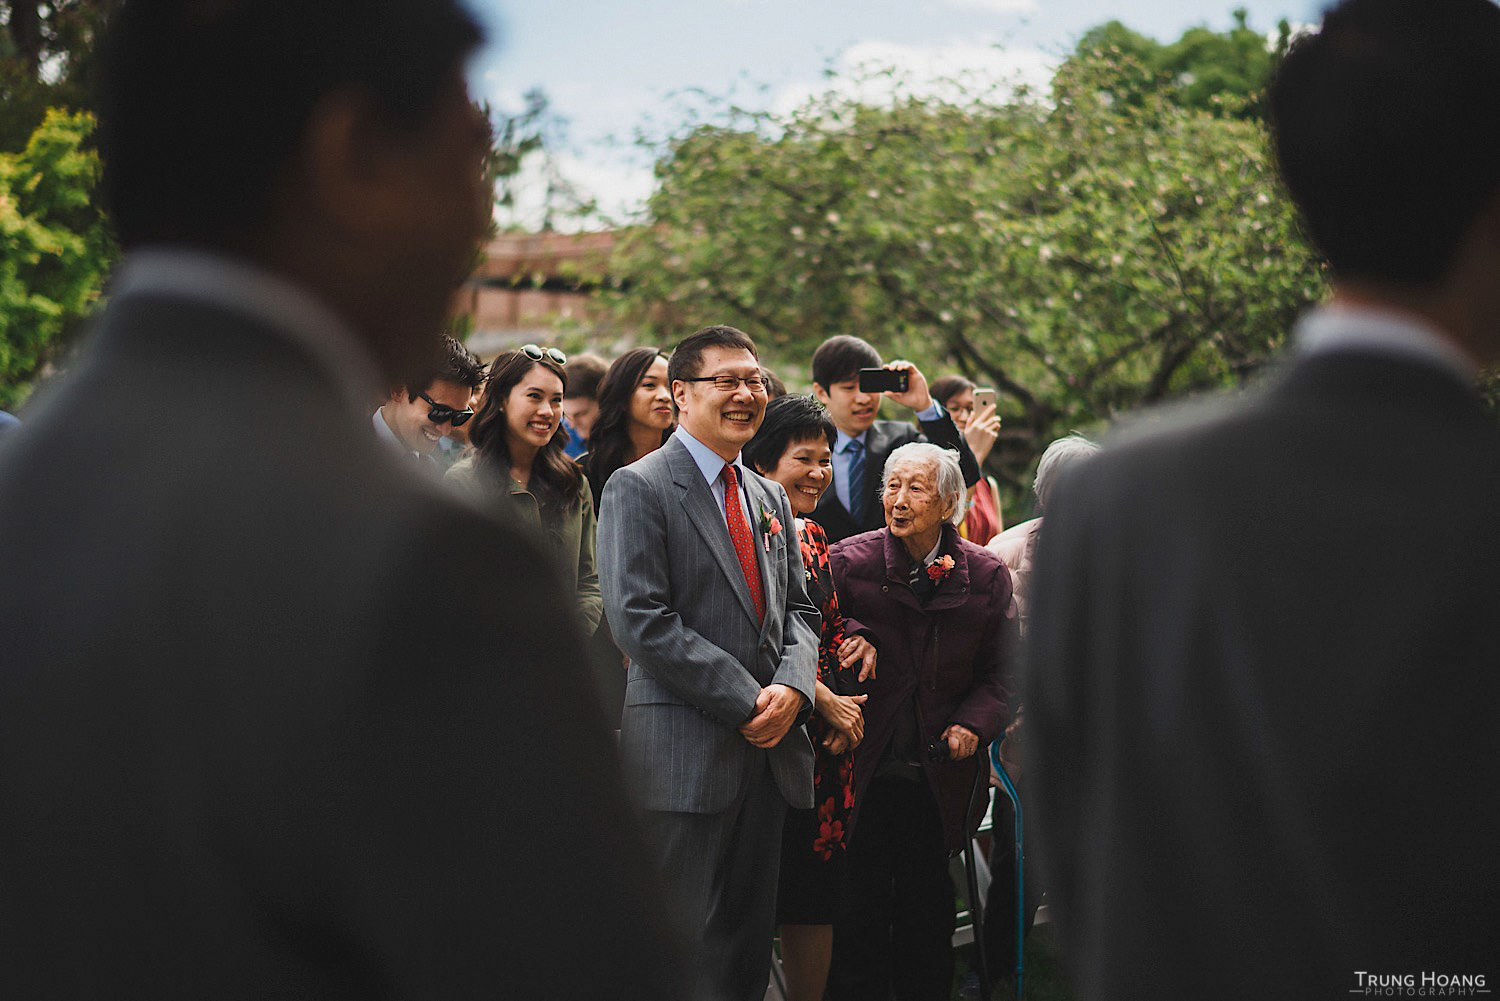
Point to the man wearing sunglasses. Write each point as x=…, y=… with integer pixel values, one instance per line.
x=413, y=421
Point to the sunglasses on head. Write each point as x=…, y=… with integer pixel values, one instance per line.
x=537, y=354
x=441, y=413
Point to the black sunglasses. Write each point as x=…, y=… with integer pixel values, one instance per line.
x=441, y=413
x=537, y=354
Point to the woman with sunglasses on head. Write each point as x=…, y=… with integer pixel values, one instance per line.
x=519, y=467
x=635, y=415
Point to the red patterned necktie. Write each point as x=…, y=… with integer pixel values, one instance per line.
x=744, y=542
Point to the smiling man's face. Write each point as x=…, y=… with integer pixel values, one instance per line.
x=722, y=421
x=410, y=421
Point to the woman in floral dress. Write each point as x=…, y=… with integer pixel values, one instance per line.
x=794, y=448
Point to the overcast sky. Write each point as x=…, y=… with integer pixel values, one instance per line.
x=611, y=68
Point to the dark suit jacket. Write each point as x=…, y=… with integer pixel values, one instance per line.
x=885, y=437
x=279, y=719
x=951, y=658
x=1265, y=669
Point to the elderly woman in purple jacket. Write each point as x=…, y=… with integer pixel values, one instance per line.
x=940, y=610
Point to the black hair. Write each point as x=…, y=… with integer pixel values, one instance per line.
x=1379, y=123
x=456, y=364
x=554, y=476
x=947, y=387
x=204, y=103
x=609, y=438
x=788, y=420
x=840, y=358
x=775, y=388
x=585, y=372
x=687, y=359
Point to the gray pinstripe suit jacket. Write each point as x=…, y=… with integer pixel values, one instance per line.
x=679, y=606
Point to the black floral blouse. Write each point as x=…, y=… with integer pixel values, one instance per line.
x=833, y=774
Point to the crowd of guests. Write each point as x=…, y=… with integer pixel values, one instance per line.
x=283, y=714
x=917, y=620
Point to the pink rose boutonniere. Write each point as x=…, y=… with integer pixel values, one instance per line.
x=941, y=567
x=769, y=525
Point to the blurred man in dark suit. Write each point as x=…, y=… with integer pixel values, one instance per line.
x=277, y=717
x=1265, y=655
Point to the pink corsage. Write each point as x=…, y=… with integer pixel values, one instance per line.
x=941, y=567
x=769, y=525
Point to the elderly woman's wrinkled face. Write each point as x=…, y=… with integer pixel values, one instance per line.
x=914, y=510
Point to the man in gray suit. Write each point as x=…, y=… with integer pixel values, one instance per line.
x=703, y=585
x=1265, y=661
x=278, y=718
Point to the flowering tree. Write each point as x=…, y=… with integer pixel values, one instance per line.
x=54, y=250
x=1083, y=253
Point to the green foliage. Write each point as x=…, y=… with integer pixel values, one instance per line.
x=1222, y=73
x=1086, y=254
x=54, y=249
x=48, y=52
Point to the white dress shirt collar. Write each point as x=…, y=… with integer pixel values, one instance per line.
x=1380, y=331
x=237, y=285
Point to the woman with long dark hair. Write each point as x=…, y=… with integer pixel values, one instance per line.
x=519, y=466
x=635, y=415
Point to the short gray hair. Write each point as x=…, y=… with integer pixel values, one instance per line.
x=1061, y=454
x=950, y=475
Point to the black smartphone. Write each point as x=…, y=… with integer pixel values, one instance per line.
x=884, y=380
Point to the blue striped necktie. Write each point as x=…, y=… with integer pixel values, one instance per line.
x=857, y=492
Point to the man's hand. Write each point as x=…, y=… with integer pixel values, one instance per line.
x=858, y=650
x=916, y=396
x=962, y=742
x=776, y=709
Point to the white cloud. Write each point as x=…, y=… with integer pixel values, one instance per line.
x=618, y=183
x=618, y=177
x=1296, y=30
x=879, y=72
x=996, y=6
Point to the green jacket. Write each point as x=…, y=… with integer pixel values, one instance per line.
x=571, y=541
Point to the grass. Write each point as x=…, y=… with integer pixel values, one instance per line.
x=1044, y=979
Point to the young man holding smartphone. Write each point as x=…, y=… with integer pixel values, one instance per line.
x=864, y=443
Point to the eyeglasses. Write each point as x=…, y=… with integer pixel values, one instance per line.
x=441, y=413
x=537, y=354
x=729, y=383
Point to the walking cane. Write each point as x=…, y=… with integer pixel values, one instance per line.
x=1015, y=801
x=976, y=906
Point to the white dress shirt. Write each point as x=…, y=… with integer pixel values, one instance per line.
x=1382, y=331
